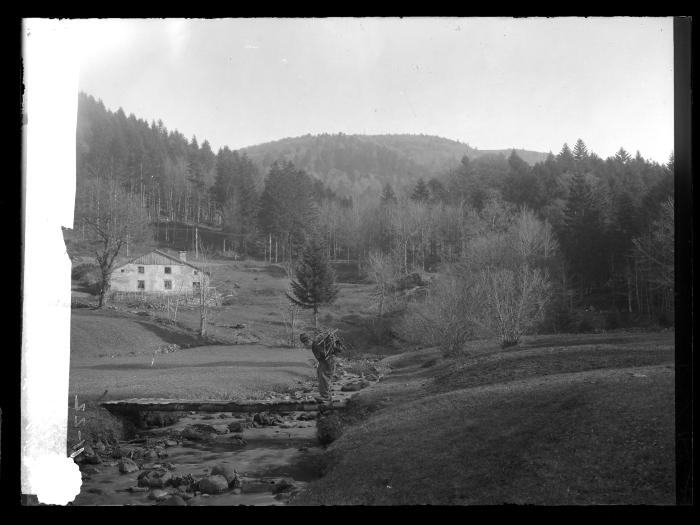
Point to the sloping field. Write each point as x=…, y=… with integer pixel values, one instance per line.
x=115, y=352
x=565, y=424
x=108, y=333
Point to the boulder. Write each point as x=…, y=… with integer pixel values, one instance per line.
x=220, y=429
x=354, y=387
x=127, y=465
x=158, y=495
x=228, y=472
x=236, y=426
x=266, y=419
x=155, y=478
x=183, y=482
x=284, y=485
x=173, y=501
x=198, y=432
x=237, y=440
x=213, y=484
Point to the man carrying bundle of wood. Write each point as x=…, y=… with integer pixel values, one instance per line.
x=325, y=345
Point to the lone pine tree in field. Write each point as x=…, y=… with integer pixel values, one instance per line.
x=315, y=280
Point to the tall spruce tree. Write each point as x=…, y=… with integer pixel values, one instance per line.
x=583, y=237
x=315, y=279
x=522, y=186
x=420, y=192
x=388, y=194
x=437, y=190
x=622, y=156
x=566, y=158
x=287, y=211
x=580, y=151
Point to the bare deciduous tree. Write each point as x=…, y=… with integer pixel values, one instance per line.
x=114, y=218
x=381, y=270
x=655, y=250
x=207, y=293
x=498, y=286
x=654, y=253
x=448, y=317
x=514, y=300
x=290, y=317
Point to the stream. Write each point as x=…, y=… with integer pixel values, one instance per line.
x=274, y=456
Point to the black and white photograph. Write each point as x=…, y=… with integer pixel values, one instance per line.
x=350, y=261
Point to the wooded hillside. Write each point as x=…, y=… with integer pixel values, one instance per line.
x=357, y=165
x=410, y=198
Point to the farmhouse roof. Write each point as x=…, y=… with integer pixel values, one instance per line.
x=143, y=259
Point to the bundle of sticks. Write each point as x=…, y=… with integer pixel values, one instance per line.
x=329, y=341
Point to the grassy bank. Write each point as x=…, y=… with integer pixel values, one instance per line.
x=566, y=420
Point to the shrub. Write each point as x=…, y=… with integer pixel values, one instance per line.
x=445, y=318
x=379, y=331
x=328, y=428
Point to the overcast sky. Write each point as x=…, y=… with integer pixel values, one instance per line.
x=492, y=83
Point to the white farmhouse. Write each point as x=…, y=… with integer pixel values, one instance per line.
x=159, y=272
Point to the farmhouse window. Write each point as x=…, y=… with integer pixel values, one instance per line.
x=168, y=285
x=195, y=286
x=195, y=272
x=168, y=269
x=141, y=269
x=142, y=285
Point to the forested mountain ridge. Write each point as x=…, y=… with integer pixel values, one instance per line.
x=359, y=164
